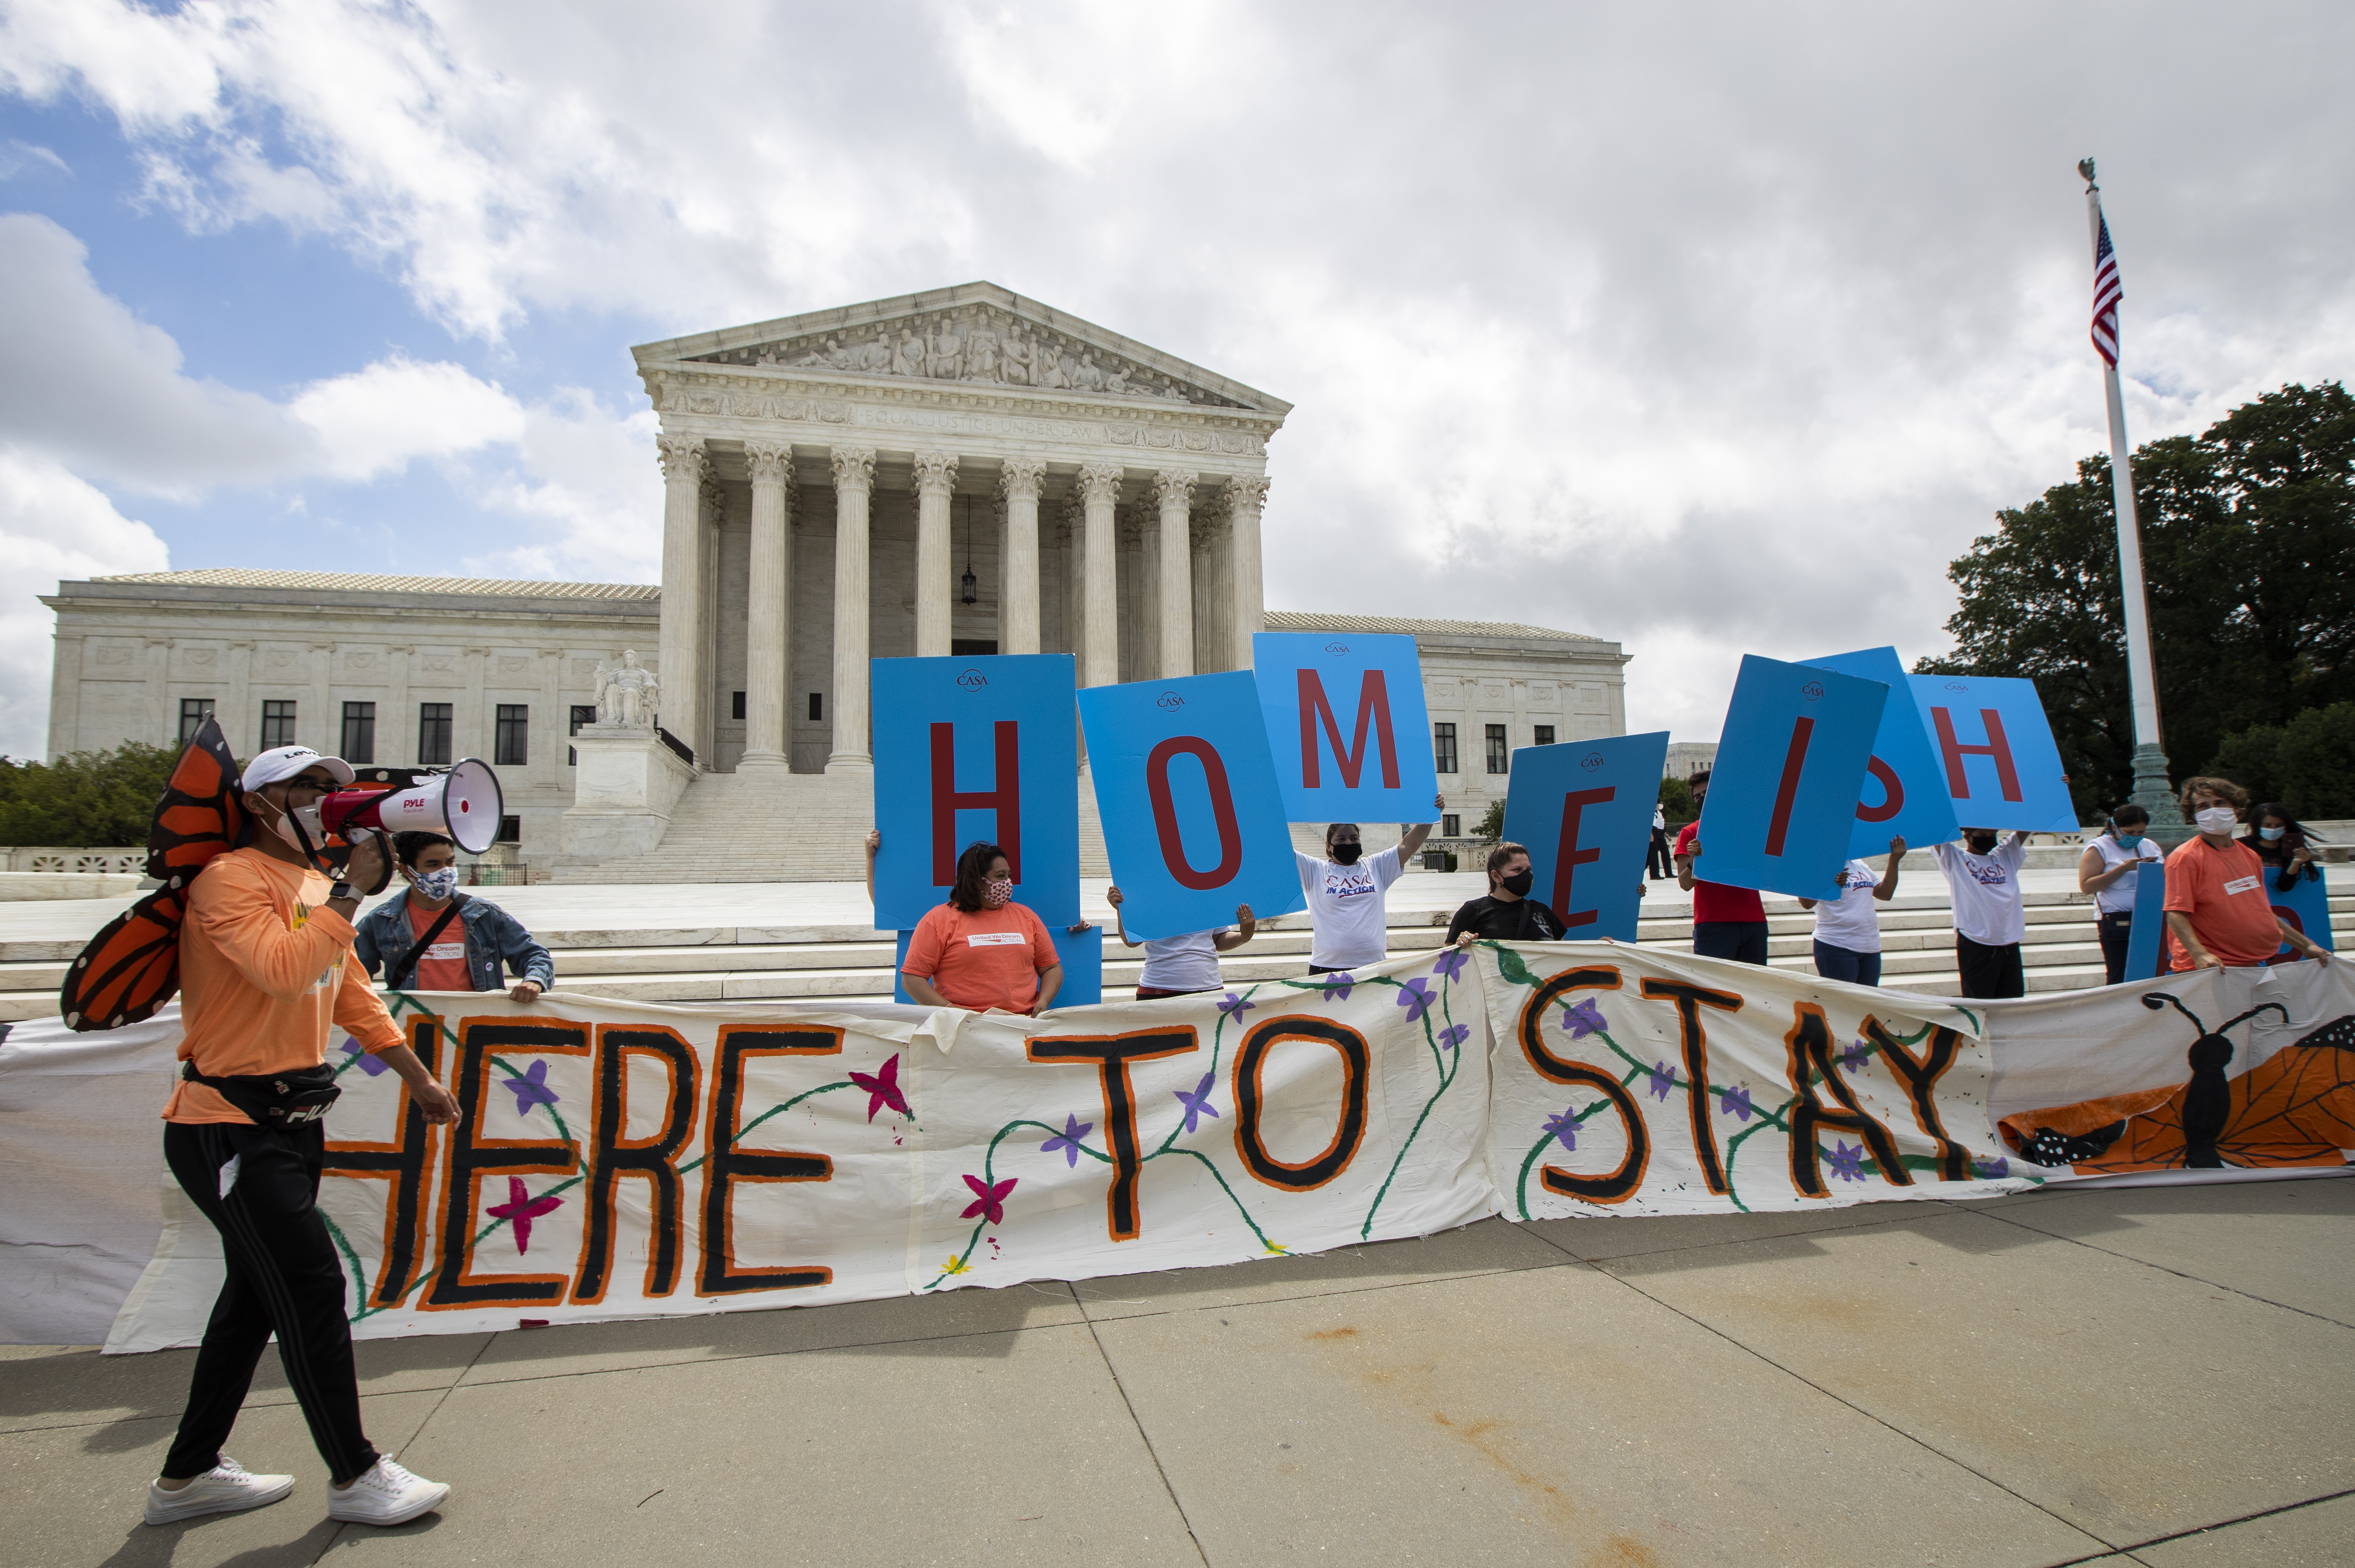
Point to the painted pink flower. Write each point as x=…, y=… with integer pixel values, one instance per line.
x=990, y=1200
x=882, y=1088
x=521, y=1208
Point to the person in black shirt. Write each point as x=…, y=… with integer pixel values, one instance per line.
x=1509, y=914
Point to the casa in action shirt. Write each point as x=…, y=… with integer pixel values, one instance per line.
x=1985, y=891
x=1715, y=900
x=266, y=969
x=443, y=965
x=988, y=957
x=2222, y=893
x=1346, y=908
x=1850, y=922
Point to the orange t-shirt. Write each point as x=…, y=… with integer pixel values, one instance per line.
x=443, y=965
x=2223, y=891
x=266, y=970
x=991, y=957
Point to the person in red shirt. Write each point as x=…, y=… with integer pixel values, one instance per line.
x=266, y=969
x=1727, y=922
x=981, y=950
x=2218, y=914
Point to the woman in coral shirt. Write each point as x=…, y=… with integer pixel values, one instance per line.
x=981, y=950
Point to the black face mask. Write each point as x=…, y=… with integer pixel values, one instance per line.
x=1345, y=854
x=1519, y=883
x=1978, y=844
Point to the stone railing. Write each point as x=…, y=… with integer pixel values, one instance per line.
x=47, y=858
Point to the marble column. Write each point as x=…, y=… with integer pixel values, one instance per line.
x=768, y=616
x=1173, y=588
x=854, y=488
x=1099, y=492
x=935, y=480
x=1017, y=565
x=1074, y=532
x=705, y=741
x=1246, y=494
x=684, y=465
x=1140, y=546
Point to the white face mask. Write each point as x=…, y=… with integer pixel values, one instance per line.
x=2217, y=820
x=283, y=825
x=436, y=885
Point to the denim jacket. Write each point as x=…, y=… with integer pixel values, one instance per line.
x=493, y=938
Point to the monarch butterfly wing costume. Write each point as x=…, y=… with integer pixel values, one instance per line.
x=132, y=966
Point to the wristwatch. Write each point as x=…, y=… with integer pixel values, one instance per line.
x=342, y=890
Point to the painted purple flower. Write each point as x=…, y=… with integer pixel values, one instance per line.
x=1451, y=963
x=1855, y=1055
x=1564, y=1127
x=369, y=1062
x=1847, y=1162
x=989, y=1199
x=1416, y=996
x=1455, y=1034
x=531, y=1090
x=1198, y=1104
x=1664, y=1078
x=1994, y=1170
x=1067, y=1141
x=1234, y=1007
x=1337, y=985
x=1734, y=1102
x=1583, y=1020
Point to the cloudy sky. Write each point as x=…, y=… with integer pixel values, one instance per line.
x=1710, y=329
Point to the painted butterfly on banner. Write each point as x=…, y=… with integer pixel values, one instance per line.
x=132, y=966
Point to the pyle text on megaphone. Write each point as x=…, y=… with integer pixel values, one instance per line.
x=463, y=802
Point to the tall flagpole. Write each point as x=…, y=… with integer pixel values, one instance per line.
x=2152, y=789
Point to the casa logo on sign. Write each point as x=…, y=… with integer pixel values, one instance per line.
x=1337, y=648
x=973, y=680
x=1169, y=700
x=1957, y=686
x=1591, y=762
x=1813, y=691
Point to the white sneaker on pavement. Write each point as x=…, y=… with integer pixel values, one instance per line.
x=385, y=1494
x=228, y=1487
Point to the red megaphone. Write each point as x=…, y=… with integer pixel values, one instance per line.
x=464, y=804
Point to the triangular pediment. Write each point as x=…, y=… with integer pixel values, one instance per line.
x=976, y=334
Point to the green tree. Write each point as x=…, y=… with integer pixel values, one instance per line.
x=1491, y=825
x=2307, y=763
x=1676, y=801
x=2245, y=532
x=86, y=799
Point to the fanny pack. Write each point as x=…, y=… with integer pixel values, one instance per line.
x=275, y=1100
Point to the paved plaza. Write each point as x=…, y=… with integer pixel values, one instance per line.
x=2156, y=1375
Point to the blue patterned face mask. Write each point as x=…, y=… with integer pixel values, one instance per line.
x=436, y=885
x=2271, y=835
x=2127, y=840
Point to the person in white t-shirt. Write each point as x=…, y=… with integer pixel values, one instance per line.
x=1983, y=876
x=2111, y=870
x=1180, y=966
x=1848, y=928
x=1349, y=894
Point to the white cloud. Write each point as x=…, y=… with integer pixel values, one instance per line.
x=377, y=420
x=52, y=527
x=589, y=489
x=1710, y=338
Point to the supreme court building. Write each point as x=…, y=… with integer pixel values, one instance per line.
x=965, y=471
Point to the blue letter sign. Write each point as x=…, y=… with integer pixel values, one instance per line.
x=1783, y=791
x=1904, y=793
x=1347, y=726
x=975, y=749
x=1995, y=752
x=1584, y=809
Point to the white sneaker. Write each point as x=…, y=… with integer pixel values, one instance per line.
x=386, y=1494
x=228, y=1487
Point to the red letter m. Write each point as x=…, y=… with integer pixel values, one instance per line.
x=1006, y=799
x=1373, y=705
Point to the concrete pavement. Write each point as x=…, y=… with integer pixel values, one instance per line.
x=2154, y=1375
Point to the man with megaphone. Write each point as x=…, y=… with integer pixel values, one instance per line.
x=266, y=972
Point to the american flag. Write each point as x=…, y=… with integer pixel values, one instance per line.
x=2107, y=292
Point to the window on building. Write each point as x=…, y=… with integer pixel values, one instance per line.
x=582, y=713
x=434, y=735
x=194, y=711
x=1545, y=734
x=510, y=830
x=1451, y=826
x=359, y=732
x=1443, y=746
x=736, y=706
x=817, y=707
x=511, y=748
x=277, y=724
x=1501, y=749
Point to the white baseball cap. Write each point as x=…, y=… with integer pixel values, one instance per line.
x=285, y=761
